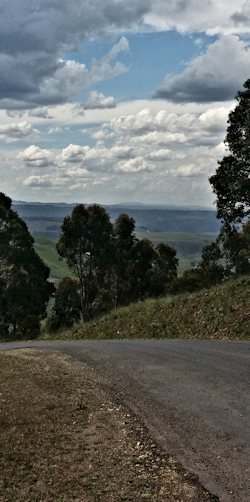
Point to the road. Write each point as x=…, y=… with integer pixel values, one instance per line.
x=193, y=396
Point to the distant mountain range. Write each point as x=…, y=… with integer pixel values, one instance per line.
x=130, y=205
x=43, y=218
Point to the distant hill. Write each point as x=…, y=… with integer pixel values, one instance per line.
x=46, y=219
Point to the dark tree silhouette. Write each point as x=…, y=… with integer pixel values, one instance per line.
x=24, y=285
x=67, y=306
x=231, y=183
x=86, y=244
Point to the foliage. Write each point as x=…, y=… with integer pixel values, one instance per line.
x=24, y=286
x=67, y=306
x=231, y=183
x=236, y=249
x=113, y=266
x=86, y=244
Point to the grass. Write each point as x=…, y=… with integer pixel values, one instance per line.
x=221, y=313
x=46, y=248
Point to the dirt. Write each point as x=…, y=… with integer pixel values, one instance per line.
x=65, y=438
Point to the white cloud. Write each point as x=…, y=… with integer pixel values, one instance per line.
x=160, y=155
x=98, y=101
x=151, y=151
x=17, y=131
x=34, y=156
x=41, y=113
x=210, y=16
x=188, y=170
x=58, y=83
x=38, y=181
x=136, y=165
x=74, y=153
x=36, y=36
x=214, y=76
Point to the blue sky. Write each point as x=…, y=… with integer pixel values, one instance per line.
x=151, y=57
x=118, y=101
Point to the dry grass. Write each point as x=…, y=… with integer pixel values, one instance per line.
x=63, y=439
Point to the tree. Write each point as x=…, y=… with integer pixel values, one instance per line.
x=211, y=268
x=143, y=259
x=236, y=248
x=24, y=286
x=86, y=244
x=165, y=270
x=124, y=242
x=67, y=306
x=231, y=183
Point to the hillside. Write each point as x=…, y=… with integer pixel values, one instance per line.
x=46, y=248
x=223, y=312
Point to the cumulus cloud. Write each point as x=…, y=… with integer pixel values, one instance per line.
x=216, y=75
x=143, y=142
x=34, y=156
x=210, y=16
x=136, y=165
x=68, y=79
x=241, y=17
x=165, y=129
x=34, y=37
x=161, y=152
x=74, y=153
x=17, y=131
x=98, y=101
x=38, y=181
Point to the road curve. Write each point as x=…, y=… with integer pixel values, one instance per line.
x=193, y=396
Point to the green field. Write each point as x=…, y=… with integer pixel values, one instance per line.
x=46, y=248
x=188, y=245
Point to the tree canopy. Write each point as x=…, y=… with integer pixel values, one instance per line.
x=113, y=267
x=24, y=285
x=231, y=183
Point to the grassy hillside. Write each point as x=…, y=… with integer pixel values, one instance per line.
x=46, y=249
x=222, y=312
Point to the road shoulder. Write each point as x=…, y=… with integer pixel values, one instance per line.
x=64, y=437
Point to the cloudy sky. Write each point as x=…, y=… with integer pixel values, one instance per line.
x=114, y=101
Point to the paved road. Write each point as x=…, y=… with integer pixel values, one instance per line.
x=193, y=396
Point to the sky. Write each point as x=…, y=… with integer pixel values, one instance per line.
x=117, y=102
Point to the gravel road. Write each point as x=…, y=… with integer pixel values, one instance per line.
x=193, y=396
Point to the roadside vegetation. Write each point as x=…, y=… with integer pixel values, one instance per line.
x=219, y=313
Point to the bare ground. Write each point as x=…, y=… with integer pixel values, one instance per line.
x=63, y=438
